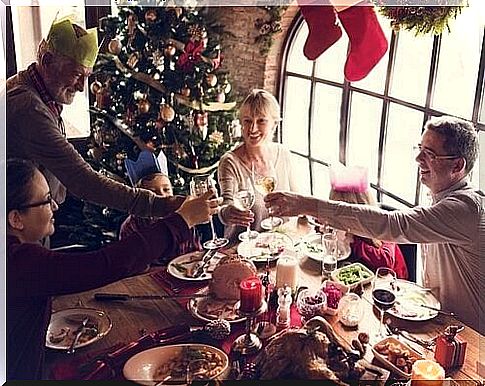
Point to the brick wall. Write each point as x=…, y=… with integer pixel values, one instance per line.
x=247, y=67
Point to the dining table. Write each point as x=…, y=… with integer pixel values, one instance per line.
x=133, y=319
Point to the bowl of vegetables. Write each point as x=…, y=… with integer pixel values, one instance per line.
x=353, y=275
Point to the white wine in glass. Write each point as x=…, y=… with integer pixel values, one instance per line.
x=264, y=185
x=244, y=199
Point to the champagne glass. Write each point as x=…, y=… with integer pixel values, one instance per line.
x=264, y=185
x=384, y=294
x=245, y=199
x=330, y=254
x=198, y=186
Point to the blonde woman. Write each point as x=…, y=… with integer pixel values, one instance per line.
x=258, y=154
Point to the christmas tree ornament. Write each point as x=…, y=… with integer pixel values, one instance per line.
x=133, y=60
x=197, y=32
x=151, y=16
x=115, y=46
x=368, y=43
x=217, y=138
x=185, y=92
x=201, y=119
x=221, y=97
x=103, y=98
x=143, y=106
x=95, y=87
x=167, y=113
x=323, y=30
x=227, y=87
x=169, y=50
x=191, y=56
x=157, y=59
x=179, y=151
x=178, y=181
x=211, y=79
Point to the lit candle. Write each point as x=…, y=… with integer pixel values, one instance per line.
x=251, y=291
x=286, y=272
x=426, y=372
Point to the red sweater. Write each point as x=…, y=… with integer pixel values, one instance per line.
x=35, y=273
x=375, y=257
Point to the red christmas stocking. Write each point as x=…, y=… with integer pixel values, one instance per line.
x=323, y=29
x=368, y=44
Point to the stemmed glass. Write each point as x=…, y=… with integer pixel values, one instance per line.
x=198, y=186
x=384, y=294
x=264, y=185
x=330, y=254
x=245, y=198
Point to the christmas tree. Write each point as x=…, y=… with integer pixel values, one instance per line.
x=159, y=85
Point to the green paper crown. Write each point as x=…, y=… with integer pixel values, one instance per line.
x=63, y=40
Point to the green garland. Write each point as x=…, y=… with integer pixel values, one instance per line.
x=268, y=27
x=424, y=19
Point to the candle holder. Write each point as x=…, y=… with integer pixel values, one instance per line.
x=248, y=343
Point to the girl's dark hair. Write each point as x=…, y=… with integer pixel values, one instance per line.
x=19, y=181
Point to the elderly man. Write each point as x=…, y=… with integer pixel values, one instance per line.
x=450, y=229
x=35, y=129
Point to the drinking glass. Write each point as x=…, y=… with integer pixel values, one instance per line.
x=384, y=294
x=198, y=186
x=330, y=254
x=244, y=199
x=264, y=185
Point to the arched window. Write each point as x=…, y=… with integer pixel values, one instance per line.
x=376, y=122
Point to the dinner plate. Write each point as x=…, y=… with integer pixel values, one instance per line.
x=267, y=246
x=311, y=246
x=409, y=298
x=64, y=323
x=208, y=308
x=156, y=364
x=180, y=265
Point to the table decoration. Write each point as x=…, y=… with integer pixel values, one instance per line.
x=426, y=372
x=287, y=272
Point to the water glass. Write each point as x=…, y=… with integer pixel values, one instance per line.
x=330, y=254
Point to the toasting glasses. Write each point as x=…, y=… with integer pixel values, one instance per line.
x=244, y=199
x=265, y=184
x=198, y=186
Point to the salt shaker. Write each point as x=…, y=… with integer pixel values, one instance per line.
x=284, y=303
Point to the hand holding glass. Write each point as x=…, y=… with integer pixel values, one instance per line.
x=264, y=185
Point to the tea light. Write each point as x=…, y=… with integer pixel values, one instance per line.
x=426, y=372
x=251, y=291
x=286, y=272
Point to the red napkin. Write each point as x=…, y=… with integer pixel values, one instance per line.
x=167, y=282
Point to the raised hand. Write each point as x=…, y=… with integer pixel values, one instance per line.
x=198, y=210
x=286, y=203
x=236, y=216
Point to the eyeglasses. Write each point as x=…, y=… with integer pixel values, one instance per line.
x=49, y=201
x=431, y=155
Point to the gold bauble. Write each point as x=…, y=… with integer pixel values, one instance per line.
x=95, y=87
x=169, y=50
x=143, y=106
x=211, y=79
x=167, y=113
x=114, y=46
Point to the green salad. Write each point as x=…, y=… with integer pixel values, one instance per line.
x=313, y=247
x=353, y=274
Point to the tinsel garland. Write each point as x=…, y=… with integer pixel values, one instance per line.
x=424, y=19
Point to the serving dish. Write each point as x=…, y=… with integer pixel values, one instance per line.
x=172, y=362
x=352, y=275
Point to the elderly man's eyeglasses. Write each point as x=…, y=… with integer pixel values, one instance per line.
x=431, y=155
x=49, y=201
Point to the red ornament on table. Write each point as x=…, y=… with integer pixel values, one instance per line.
x=251, y=294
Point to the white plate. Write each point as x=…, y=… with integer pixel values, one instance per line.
x=187, y=261
x=409, y=298
x=363, y=281
x=145, y=367
x=311, y=246
x=267, y=244
x=64, y=323
x=208, y=309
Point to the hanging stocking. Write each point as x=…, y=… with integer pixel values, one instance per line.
x=323, y=29
x=368, y=44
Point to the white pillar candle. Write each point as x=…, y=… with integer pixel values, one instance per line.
x=286, y=272
x=426, y=372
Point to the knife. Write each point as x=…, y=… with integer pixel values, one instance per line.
x=438, y=310
x=77, y=335
x=123, y=297
x=200, y=266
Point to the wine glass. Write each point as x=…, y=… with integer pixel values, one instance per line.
x=198, y=186
x=264, y=185
x=245, y=199
x=384, y=294
x=330, y=253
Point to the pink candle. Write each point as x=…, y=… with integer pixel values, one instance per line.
x=251, y=294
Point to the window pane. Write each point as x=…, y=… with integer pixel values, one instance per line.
x=400, y=168
x=321, y=180
x=457, y=68
x=331, y=63
x=301, y=169
x=365, y=122
x=295, y=115
x=326, y=123
x=297, y=62
x=376, y=79
x=416, y=50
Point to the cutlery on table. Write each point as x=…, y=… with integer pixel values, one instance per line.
x=199, y=267
x=77, y=335
x=438, y=310
x=100, y=296
x=427, y=344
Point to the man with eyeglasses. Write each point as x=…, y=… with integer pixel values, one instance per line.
x=449, y=230
x=35, y=129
